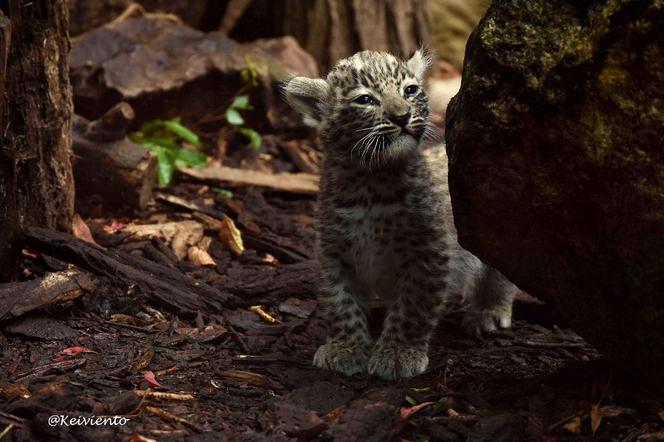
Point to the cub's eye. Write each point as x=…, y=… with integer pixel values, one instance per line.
x=411, y=90
x=365, y=99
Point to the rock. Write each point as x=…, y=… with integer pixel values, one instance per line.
x=557, y=165
x=165, y=69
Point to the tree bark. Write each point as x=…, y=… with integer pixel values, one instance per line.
x=36, y=183
x=334, y=29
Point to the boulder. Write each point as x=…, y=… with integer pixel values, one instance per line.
x=556, y=156
x=163, y=69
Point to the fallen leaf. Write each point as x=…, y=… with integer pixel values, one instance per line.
x=231, y=236
x=208, y=333
x=81, y=230
x=407, y=412
x=200, y=257
x=574, y=425
x=114, y=227
x=269, y=259
x=71, y=351
x=149, y=376
x=145, y=356
x=595, y=418
x=250, y=378
x=181, y=234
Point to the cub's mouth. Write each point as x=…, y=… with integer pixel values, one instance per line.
x=413, y=132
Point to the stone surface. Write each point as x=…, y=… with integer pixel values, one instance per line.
x=164, y=69
x=557, y=164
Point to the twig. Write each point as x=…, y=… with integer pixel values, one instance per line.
x=6, y=430
x=539, y=344
x=10, y=419
x=171, y=417
x=164, y=395
x=241, y=342
x=129, y=327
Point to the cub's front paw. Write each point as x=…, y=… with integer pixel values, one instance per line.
x=385, y=359
x=479, y=321
x=346, y=358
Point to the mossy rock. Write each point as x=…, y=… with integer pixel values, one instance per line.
x=556, y=146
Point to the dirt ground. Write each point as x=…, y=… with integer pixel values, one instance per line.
x=239, y=374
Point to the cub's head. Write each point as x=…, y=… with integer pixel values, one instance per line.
x=370, y=110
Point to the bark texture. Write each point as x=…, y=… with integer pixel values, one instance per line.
x=557, y=166
x=36, y=184
x=331, y=30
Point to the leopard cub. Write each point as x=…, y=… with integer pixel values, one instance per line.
x=385, y=225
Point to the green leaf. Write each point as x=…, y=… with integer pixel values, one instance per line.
x=255, y=138
x=240, y=102
x=410, y=400
x=189, y=158
x=224, y=193
x=183, y=132
x=165, y=166
x=233, y=117
x=163, y=142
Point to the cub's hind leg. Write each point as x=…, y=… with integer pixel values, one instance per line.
x=491, y=306
x=348, y=345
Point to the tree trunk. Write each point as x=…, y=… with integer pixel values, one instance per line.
x=36, y=184
x=334, y=29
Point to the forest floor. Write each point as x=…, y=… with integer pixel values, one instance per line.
x=234, y=374
x=189, y=329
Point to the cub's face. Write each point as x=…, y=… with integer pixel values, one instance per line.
x=371, y=109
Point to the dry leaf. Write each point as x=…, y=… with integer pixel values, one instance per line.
x=205, y=243
x=200, y=257
x=250, y=378
x=71, y=351
x=574, y=425
x=407, y=412
x=208, y=333
x=595, y=418
x=231, y=236
x=114, y=227
x=149, y=376
x=269, y=259
x=181, y=235
x=81, y=230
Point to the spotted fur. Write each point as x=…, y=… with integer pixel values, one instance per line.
x=385, y=224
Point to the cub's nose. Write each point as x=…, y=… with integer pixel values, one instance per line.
x=400, y=120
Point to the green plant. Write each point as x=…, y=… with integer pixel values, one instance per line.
x=174, y=145
x=241, y=102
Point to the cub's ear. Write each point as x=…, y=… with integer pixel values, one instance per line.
x=307, y=96
x=419, y=63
